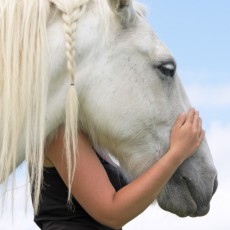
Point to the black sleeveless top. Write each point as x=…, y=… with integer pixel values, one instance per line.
x=54, y=212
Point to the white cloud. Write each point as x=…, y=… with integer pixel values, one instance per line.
x=210, y=95
x=19, y=218
x=218, y=137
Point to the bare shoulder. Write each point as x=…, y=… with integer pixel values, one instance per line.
x=48, y=163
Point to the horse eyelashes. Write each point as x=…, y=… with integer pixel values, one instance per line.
x=167, y=69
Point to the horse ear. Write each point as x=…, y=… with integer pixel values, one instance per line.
x=124, y=9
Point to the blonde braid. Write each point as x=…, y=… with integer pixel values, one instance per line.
x=71, y=11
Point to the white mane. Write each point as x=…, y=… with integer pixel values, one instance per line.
x=24, y=83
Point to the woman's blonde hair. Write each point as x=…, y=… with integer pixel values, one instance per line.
x=24, y=84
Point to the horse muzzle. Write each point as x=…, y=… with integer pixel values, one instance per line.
x=188, y=193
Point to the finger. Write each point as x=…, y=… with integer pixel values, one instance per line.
x=190, y=116
x=181, y=119
x=201, y=137
x=197, y=121
x=200, y=129
x=200, y=124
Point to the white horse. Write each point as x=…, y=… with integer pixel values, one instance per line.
x=128, y=91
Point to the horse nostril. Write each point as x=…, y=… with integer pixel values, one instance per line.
x=189, y=183
x=215, y=185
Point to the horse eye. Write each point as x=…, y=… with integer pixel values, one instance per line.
x=168, y=69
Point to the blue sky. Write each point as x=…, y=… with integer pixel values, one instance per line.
x=197, y=32
x=198, y=35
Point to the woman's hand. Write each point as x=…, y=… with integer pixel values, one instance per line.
x=186, y=135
